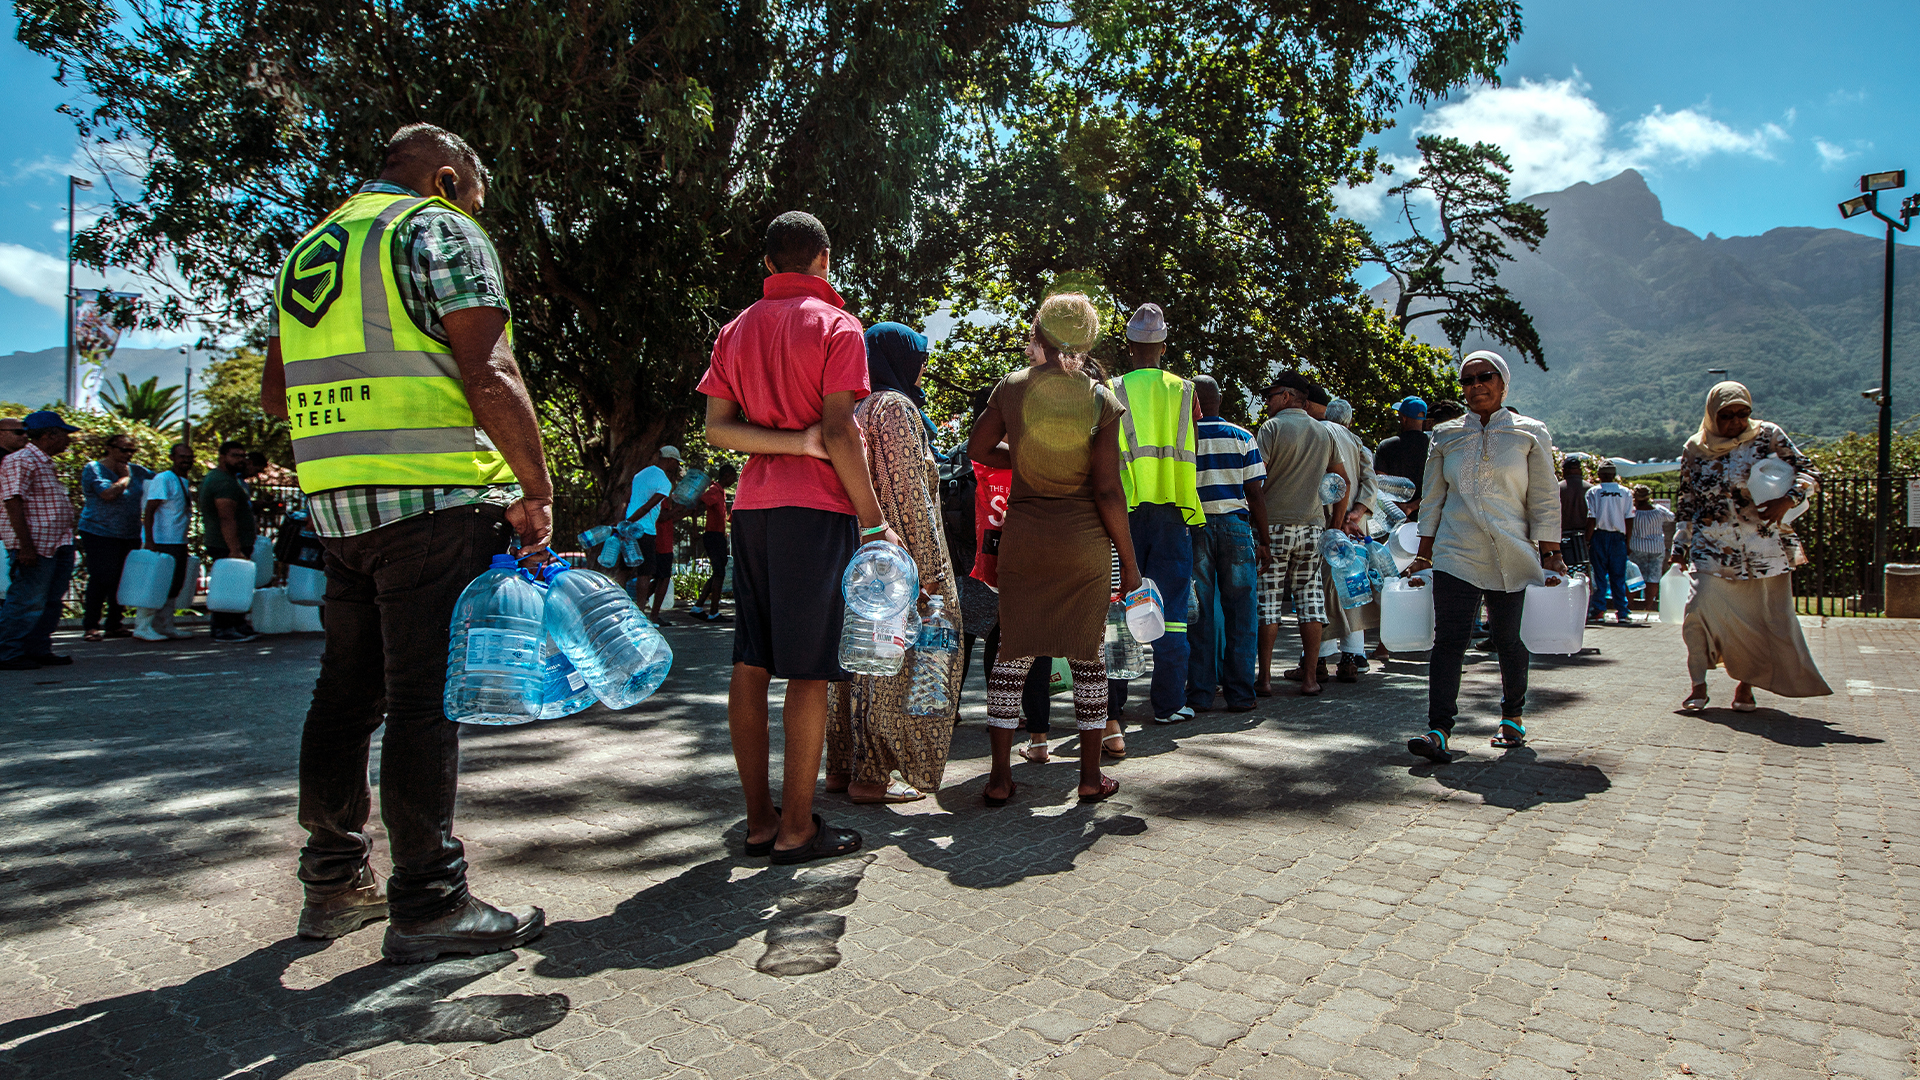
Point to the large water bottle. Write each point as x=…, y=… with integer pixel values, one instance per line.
x=1769, y=479
x=1380, y=562
x=1393, y=488
x=689, y=487
x=630, y=547
x=1392, y=516
x=1636, y=581
x=1676, y=588
x=493, y=659
x=594, y=537
x=1332, y=489
x=606, y=638
x=1352, y=586
x=609, y=556
x=881, y=581
x=877, y=646
x=563, y=690
x=1125, y=657
x=932, y=691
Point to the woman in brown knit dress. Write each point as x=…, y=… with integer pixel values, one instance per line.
x=870, y=734
x=1067, y=512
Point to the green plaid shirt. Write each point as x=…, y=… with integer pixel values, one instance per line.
x=444, y=263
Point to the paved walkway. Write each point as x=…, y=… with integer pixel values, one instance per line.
x=1279, y=894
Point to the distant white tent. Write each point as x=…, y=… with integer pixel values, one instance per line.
x=1628, y=469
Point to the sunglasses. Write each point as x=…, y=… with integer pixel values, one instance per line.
x=1476, y=380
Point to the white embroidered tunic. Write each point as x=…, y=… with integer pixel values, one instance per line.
x=1489, y=497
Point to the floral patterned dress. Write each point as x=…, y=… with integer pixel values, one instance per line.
x=870, y=735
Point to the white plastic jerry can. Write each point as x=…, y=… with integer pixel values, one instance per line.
x=1554, y=621
x=1406, y=614
x=1676, y=588
x=144, y=582
x=230, y=586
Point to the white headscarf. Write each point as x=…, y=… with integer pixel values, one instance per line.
x=1499, y=363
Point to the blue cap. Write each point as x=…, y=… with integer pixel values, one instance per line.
x=1412, y=406
x=46, y=420
x=504, y=561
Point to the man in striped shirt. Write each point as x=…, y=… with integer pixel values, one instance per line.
x=1226, y=554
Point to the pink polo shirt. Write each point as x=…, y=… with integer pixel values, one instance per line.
x=778, y=361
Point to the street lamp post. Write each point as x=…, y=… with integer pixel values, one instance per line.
x=73, y=384
x=1868, y=202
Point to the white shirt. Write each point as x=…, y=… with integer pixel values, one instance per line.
x=1489, y=498
x=1610, y=506
x=647, y=483
x=175, y=512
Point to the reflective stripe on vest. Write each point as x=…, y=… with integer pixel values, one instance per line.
x=1161, y=466
x=372, y=399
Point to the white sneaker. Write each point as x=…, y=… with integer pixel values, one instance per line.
x=148, y=633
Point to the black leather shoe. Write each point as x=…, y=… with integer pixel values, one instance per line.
x=477, y=929
x=50, y=660
x=363, y=902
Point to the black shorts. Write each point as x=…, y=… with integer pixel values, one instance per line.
x=787, y=563
x=716, y=544
x=660, y=565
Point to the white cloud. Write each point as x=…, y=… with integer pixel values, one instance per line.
x=1556, y=135
x=36, y=275
x=1832, y=156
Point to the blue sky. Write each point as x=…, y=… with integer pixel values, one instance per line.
x=1743, y=117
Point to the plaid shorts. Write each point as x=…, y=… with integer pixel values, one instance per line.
x=1295, y=567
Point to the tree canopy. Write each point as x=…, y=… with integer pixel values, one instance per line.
x=961, y=152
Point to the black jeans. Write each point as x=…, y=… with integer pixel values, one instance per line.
x=1454, y=605
x=390, y=595
x=1034, y=697
x=178, y=553
x=106, y=558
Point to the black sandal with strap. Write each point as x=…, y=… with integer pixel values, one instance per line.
x=1510, y=740
x=1432, y=746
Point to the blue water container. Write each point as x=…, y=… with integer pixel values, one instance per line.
x=493, y=658
x=623, y=658
x=931, y=692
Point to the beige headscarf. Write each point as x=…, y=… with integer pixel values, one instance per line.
x=1708, y=443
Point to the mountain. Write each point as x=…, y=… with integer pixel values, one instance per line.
x=37, y=378
x=1633, y=310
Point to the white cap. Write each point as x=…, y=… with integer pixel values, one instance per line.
x=671, y=453
x=1148, y=325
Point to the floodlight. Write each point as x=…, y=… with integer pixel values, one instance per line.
x=1884, y=181
x=1857, y=205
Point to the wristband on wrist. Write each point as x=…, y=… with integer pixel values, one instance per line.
x=875, y=531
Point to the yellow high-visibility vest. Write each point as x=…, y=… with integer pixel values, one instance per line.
x=1159, y=459
x=372, y=398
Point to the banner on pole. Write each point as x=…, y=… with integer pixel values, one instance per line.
x=94, y=338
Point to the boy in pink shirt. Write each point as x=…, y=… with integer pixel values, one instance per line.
x=781, y=387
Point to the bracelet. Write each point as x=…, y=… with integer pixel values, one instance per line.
x=875, y=531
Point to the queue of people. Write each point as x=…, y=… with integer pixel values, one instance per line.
x=1086, y=484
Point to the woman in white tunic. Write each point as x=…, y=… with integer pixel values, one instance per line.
x=1489, y=527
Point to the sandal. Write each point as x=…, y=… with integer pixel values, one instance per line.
x=1108, y=788
x=1746, y=706
x=1035, y=753
x=1107, y=747
x=897, y=792
x=93, y=635
x=1693, y=704
x=1510, y=740
x=826, y=844
x=1299, y=674
x=1012, y=790
x=1432, y=746
x=765, y=847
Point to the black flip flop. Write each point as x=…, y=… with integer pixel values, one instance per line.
x=826, y=844
x=765, y=847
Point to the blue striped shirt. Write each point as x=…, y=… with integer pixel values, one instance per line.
x=1228, y=459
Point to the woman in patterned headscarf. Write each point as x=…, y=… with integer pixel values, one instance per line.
x=1743, y=555
x=870, y=734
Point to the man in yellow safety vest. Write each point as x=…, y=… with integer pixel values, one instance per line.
x=1159, y=456
x=420, y=454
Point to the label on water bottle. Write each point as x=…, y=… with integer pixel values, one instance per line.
x=561, y=670
x=493, y=652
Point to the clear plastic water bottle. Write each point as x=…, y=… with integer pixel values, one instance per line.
x=630, y=545
x=1332, y=489
x=689, y=487
x=604, y=635
x=1380, y=562
x=1391, y=512
x=1125, y=657
x=1348, y=563
x=932, y=692
x=1393, y=488
x=881, y=581
x=609, y=556
x=877, y=646
x=493, y=659
x=594, y=537
x=563, y=690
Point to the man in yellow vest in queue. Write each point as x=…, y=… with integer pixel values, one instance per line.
x=1159, y=455
x=420, y=454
